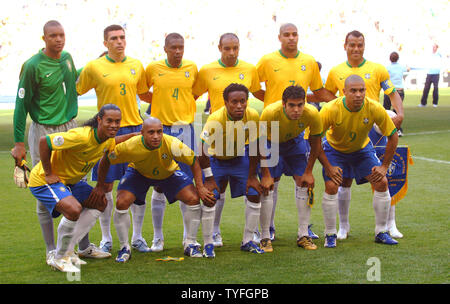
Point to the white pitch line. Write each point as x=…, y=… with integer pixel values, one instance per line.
x=426, y=132
x=414, y=157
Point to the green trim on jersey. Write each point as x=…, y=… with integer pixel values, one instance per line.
x=223, y=64
x=281, y=53
x=147, y=147
x=113, y=61
x=96, y=136
x=345, y=105
x=393, y=132
x=49, y=142
x=170, y=66
x=360, y=65
x=46, y=91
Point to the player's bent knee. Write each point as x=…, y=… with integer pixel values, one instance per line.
x=253, y=198
x=124, y=199
x=331, y=188
x=382, y=185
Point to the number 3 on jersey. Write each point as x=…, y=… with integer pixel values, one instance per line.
x=175, y=94
x=123, y=89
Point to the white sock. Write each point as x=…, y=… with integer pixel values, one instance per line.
x=218, y=214
x=105, y=218
x=344, y=196
x=158, y=208
x=183, y=210
x=122, y=223
x=266, y=211
x=65, y=234
x=391, y=218
x=381, y=203
x=329, y=208
x=46, y=222
x=252, y=213
x=275, y=199
x=192, y=218
x=207, y=223
x=303, y=209
x=85, y=222
x=137, y=213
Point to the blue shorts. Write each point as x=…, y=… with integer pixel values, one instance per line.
x=116, y=172
x=235, y=171
x=186, y=134
x=377, y=139
x=138, y=184
x=50, y=195
x=293, y=158
x=356, y=165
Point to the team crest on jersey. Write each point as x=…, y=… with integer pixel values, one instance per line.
x=58, y=141
x=186, y=74
x=21, y=93
x=367, y=76
x=133, y=72
x=62, y=189
x=241, y=76
x=164, y=156
x=112, y=155
x=303, y=67
x=366, y=121
x=69, y=65
x=301, y=125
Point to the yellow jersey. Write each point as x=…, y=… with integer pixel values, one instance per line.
x=216, y=76
x=376, y=77
x=117, y=83
x=227, y=138
x=158, y=163
x=280, y=72
x=173, y=101
x=349, y=131
x=289, y=129
x=74, y=153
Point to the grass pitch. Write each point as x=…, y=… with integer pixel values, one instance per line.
x=422, y=216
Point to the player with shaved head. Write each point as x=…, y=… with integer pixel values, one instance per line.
x=347, y=146
x=153, y=159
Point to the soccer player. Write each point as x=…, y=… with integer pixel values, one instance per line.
x=288, y=67
x=214, y=78
x=224, y=139
x=174, y=104
x=151, y=159
x=117, y=79
x=376, y=78
x=56, y=181
x=347, y=145
x=46, y=92
x=293, y=116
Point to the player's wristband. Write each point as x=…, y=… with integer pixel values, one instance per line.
x=207, y=172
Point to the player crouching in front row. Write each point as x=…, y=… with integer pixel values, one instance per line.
x=56, y=181
x=347, y=147
x=151, y=159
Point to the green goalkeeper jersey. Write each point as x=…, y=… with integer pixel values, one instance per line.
x=47, y=91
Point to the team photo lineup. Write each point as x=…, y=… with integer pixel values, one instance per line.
x=238, y=148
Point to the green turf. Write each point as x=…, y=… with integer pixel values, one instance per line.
x=421, y=257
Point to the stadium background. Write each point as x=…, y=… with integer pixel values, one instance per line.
x=408, y=27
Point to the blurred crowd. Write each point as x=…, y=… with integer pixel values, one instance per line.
x=408, y=27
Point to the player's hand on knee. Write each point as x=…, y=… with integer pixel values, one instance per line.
x=306, y=180
x=378, y=172
x=52, y=179
x=253, y=182
x=206, y=196
x=267, y=183
x=335, y=173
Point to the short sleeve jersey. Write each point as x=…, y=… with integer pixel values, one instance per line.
x=279, y=72
x=225, y=137
x=289, y=129
x=74, y=153
x=172, y=101
x=46, y=91
x=117, y=83
x=348, y=131
x=376, y=77
x=158, y=163
x=216, y=76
